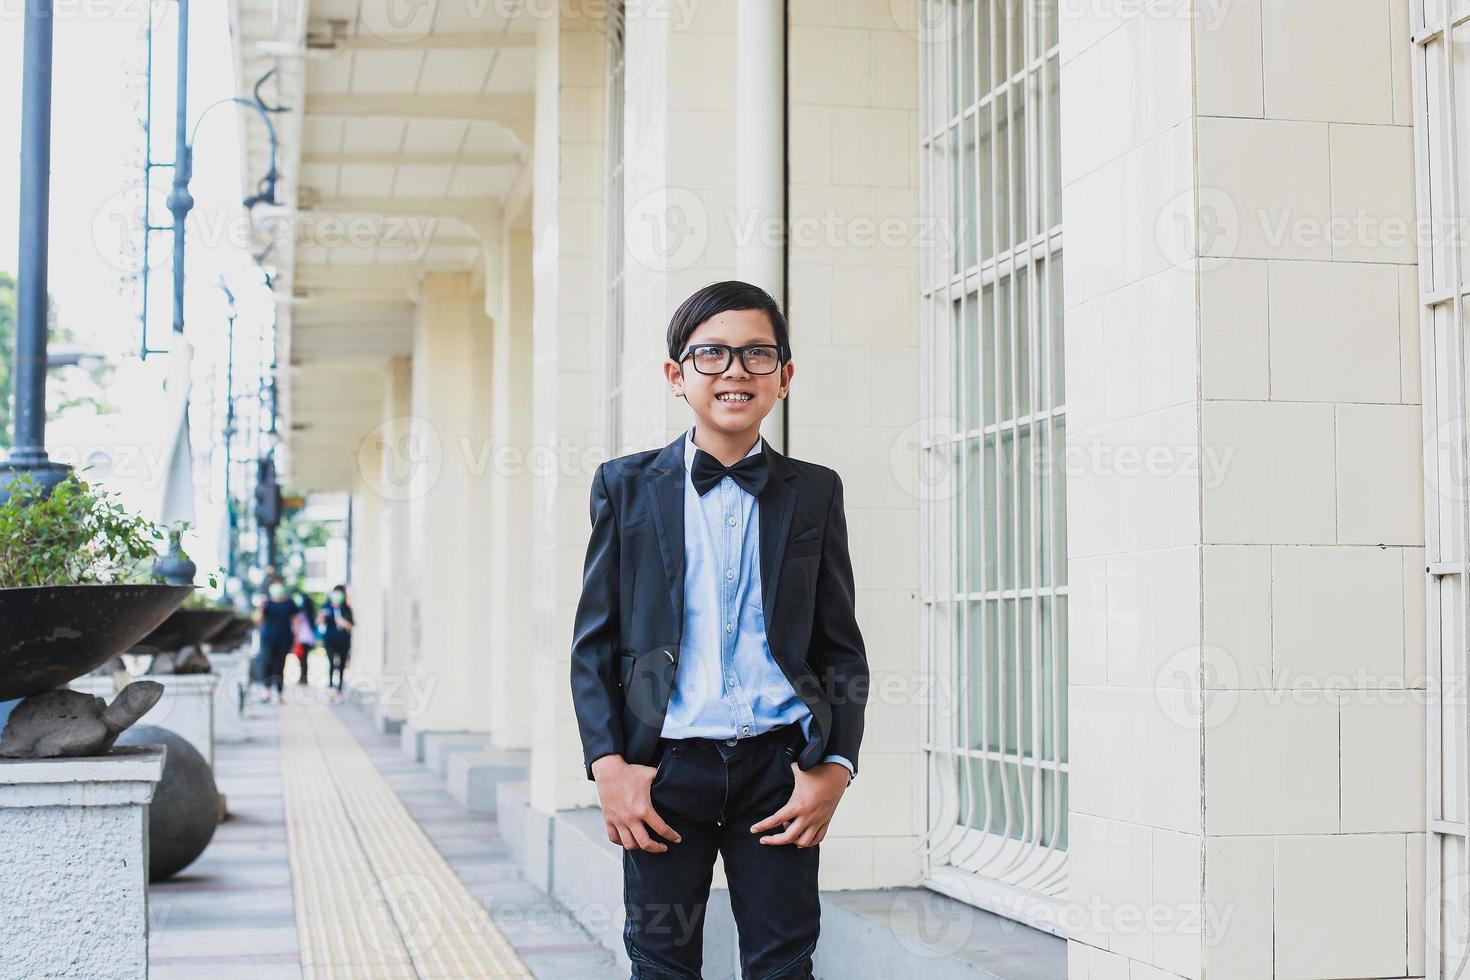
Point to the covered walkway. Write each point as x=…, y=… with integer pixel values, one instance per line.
x=343, y=860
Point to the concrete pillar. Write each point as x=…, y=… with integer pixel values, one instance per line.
x=566, y=409
x=855, y=401
x=447, y=514
x=393, y=697
x=367, y=574
x=760, y=164
x=1244, y=489
x=510, y=501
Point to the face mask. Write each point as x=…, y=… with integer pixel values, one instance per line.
x=278, y=592
x=339, y=597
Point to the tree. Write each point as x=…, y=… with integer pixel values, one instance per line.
x=62, y=392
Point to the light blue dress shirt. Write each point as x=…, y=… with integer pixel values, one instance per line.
x=728, y=685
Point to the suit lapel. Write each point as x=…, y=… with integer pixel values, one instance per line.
x=667, y=492
x=777, y=504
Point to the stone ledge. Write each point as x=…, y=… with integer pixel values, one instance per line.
x=439, y=746
x=891, y=932
x=125, y=776
x=475, y=778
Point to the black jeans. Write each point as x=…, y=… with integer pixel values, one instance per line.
x=337, y=656
x=711, y=791
x=276, y=652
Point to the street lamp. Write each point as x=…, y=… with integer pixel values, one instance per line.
x=28, y=447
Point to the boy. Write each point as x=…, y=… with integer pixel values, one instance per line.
x=718, y=674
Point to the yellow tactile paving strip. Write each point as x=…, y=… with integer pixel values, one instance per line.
x=374, y=898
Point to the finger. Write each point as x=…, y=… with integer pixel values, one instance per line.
x=808, y=837
x=644, y=841
x=626, y=839
x=792, y=831
x=612, y=834
x=661, y=828
x=774, y=820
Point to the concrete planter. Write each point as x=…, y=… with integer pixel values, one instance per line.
x=75, y=864
x=233, y=671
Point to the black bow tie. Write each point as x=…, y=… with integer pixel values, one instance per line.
x=749, y=473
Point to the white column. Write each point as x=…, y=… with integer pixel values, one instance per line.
x=447, y=515
x=1245, y=533
x=510, y=500
x=760, y=161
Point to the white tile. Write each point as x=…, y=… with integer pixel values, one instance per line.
x=1275, y=479
x=1101, y=752
x=1328, y=60
x=1165, y=745
x=1252, y=786
x=1414, y=854
x=1087, y=621
x=1237, y=627
x=1373, y=193
x=1337, y=616
x=1334, y=331
x=1382, y=761
x=1267, y=183
x=1088, y=884
x=1410, y=390
x=1415, y=613
x=1234, y=336
x=1238, y=907
x=1227, y=38
x=1341, y=907
x=1150, y=356
x=1177, y=903
x=1380, y=466
x=1130, y=881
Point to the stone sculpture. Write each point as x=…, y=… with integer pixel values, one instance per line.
x=63, y=722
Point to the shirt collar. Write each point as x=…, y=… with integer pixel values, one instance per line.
x=690, y=447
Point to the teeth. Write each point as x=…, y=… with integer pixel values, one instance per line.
x=733, y=398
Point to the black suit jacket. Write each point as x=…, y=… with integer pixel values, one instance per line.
x=629, y=624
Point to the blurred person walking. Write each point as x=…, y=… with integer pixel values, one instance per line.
x=336, y=622
x=274, y=615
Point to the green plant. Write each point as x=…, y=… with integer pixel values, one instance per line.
x=76, y=534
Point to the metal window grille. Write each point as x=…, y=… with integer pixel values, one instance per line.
x=1440, y=56
x=615, y=334
x=995, y=554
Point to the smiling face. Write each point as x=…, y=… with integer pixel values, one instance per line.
x=735, y=402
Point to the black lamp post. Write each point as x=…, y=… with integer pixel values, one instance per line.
x=28, y=447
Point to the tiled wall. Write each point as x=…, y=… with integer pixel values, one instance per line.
x=853, y=285
x=1275, y=549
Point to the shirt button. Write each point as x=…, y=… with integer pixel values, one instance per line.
x=745, y=729
x=729, y=573
x=729, y=627
x=730, y=520
x=730, y=680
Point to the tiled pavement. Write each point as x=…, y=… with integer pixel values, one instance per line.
x=232, y=913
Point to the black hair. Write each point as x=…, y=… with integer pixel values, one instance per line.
x=720, y=297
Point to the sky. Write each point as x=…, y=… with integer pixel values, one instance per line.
x=96, y=171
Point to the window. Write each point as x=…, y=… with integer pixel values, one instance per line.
x=995, y=560
x=1441, y=72
x=616, y=63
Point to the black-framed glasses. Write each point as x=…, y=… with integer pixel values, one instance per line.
x=716, y=358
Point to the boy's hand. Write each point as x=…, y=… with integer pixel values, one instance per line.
x=809, y=811
x=627, y=806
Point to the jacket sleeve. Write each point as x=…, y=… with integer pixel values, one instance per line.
x=837, y=652
x=596, y=696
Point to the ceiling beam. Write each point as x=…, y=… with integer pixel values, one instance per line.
x=479, y=40
x=514, y=112
x=417, y=159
